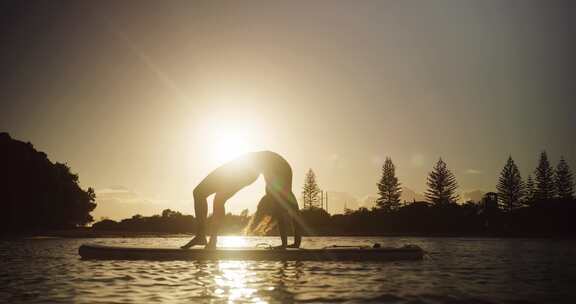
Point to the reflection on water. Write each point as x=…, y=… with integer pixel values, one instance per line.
x=232, y=241
x=455, y=270
x=232, y=281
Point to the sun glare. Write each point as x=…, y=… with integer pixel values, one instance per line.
x=225, y=137
x=230, y=142
x=232, y=241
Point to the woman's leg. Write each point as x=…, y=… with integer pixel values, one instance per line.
x=225, y=181
x=201, y=211
x=296, y=220
x=217, y=217
x=201, y=193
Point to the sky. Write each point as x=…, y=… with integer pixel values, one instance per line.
x=142, y=99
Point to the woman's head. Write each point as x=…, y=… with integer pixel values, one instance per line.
x=266, y=211
x=270, y=209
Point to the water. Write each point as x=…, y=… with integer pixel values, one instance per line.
x=456, y=270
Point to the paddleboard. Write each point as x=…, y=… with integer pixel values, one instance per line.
x=103, y=252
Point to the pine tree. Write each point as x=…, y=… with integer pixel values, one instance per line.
x=529, y=191
x=389, y=189
x=442, y=185
x=564, y=181
x=311, y=191
x=544, y=179
x=510, y=186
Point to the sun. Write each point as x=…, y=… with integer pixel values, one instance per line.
x=228, y=137
x=225, y=135
x=230, y=141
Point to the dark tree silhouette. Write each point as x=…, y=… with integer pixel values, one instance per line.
x=545, y=185
x=317, y=221
x=564, y=181
x=442, y=185
x=489, y=203
x=170, y=222
x=510, y=186
x=311, y=191
x=37, y=194
x=389, y=189
x=485, y=217
x=529, y=191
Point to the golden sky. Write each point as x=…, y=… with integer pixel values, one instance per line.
x=143, y=101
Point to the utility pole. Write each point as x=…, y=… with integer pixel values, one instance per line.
x=327, y=202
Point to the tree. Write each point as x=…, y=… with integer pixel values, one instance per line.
x=529, y=191
x=544, y=179
x=170, y=213
x=389, y=189
x=489, y=203
x=37, y=194
x=510, y=186
x=564, y=180
x=442, y=185
x=311, y=191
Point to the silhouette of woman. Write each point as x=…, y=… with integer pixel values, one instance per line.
x=279, y=202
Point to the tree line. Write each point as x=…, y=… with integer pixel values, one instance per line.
x=543, y=205
x=539, y=206
x=37, y=194
x=512, y=191
x=170, y=221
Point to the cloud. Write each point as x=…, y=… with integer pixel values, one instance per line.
x=118, y=202
x=473, y=171
x=409, y=195
x=119, y=194
x=368, y=201
x=336, y=161
x=475, y=195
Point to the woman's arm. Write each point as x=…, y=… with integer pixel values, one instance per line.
x=296, y=223
x=283, y=231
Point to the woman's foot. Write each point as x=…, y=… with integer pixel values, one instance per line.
x=197, y=240
x=211, y=244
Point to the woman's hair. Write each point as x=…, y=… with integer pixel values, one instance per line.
x=264, y=218
x=269, y=210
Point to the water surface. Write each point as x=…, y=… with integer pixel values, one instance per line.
x=456, y=270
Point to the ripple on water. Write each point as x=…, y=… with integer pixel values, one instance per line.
x=455, y=270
